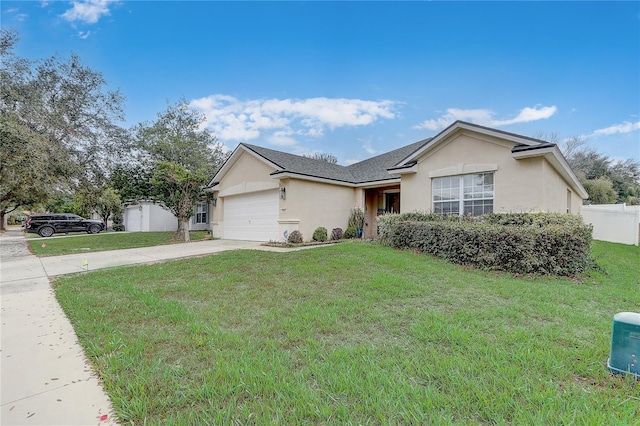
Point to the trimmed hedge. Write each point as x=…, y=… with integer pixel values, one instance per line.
x=336, y=234
x=545, y=243
x=350, y=233
x=320, y=234
x=295, y=237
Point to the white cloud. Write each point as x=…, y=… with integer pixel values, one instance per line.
x=280, y=120
x=17, y=16
x=282, y=138
x=88, y=11
x=370, y=150
x=625, y=127
x=84, y=34
x=485, y=117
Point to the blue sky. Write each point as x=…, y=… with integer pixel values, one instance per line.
x=356, y=79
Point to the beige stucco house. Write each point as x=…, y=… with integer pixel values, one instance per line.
x=263, y=194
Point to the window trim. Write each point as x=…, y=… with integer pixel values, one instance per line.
x=460, y=199
x=199, y=214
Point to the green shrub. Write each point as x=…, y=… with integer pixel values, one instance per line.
x=540, y=243
x=350, y=232
x=118, y=227
x=320, y=234
x=356, y=219
x=295, y=237
x=336, y=234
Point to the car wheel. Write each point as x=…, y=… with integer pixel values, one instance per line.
x=93, y=229
x=45, y=231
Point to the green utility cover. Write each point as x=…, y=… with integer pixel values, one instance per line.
x=625, y=344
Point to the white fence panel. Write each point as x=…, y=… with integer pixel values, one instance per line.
x=615, y=223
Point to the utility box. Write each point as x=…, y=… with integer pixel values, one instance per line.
x=625, y=344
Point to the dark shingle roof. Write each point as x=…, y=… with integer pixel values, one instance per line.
x=370, y=170
x=303, y=165
x=375, y=168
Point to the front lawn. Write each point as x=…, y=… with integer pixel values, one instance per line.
x=355, y=333
x=85, y=243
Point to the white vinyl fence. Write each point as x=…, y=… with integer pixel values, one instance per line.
x=616, y=223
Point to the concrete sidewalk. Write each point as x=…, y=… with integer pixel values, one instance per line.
x=45, y=377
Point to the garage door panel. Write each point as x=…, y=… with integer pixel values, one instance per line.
x=252, y=217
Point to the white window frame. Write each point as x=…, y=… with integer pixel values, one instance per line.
x=202, y=213
x=459, y=194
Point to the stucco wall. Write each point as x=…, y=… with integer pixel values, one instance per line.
x=527, y=185
x=147, y=216
x=247, y=175
x=309, y=205
x=555, y=192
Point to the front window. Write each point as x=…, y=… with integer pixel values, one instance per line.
x=467, y=194
x=201, y=212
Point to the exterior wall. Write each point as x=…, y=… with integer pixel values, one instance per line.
x=147, y=216
x=527, y=185
x=555, y=192
x=247, y=175
x=309, y=205
x=613, y=223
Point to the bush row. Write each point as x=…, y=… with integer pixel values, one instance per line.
x=321, y=235
x=519, y=243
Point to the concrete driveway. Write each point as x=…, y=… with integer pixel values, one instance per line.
x=45, y=377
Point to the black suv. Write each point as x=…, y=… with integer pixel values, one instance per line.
x=46, y=225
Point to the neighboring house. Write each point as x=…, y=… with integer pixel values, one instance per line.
x=145, y=216
x=263, y=194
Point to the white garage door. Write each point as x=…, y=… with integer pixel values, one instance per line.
x=252, y=217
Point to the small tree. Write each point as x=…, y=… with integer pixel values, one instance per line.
x=184, y=156
x=600, y=190
x=179, y=190
x=108, y=204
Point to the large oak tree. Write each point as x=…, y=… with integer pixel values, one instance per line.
x=59, y=127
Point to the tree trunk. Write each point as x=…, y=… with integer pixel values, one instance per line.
x=2, y=218
x=185, y=227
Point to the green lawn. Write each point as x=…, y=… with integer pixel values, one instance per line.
x=355, y=333
x=86, y=243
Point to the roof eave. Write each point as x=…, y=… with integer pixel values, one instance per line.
x=407, y=169
x=280, y=174
x=463, y=125
x=234, y=157
x=379, y=183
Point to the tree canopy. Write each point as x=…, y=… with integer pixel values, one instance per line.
x=182, y=155
x=605, y=179
x=323, y=156
x=59, y=126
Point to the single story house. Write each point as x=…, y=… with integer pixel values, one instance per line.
x=262, y=194
x=148, y=215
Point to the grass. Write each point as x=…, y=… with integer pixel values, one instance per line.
x=86, y=243
x=355, y=333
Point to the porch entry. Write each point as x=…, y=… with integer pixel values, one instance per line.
x=391, y=203
x=379, y=201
